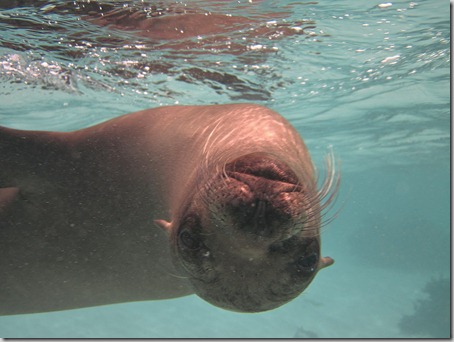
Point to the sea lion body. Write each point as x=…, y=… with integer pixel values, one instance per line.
x=177, y=26
x=78, y=209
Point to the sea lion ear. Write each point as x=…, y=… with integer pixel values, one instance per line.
x=325, y=262
x=163, y=224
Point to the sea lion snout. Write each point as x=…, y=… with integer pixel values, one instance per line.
x=265, y=208
x=265, y=198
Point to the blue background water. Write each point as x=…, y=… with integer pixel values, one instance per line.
x=370, y=81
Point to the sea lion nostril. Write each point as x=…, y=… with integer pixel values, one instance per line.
x=261, y=208
x=259, y=219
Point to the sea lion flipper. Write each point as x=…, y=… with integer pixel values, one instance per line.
x=326, y=261
x=163, y=224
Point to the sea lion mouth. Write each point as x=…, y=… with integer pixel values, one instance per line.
x=261, y=165
x=265, y=198
x=265, y=185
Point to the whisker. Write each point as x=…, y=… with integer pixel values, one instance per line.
x=178, y=276
x=320, y=203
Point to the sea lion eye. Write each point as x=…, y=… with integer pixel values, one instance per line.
x=189, y=240
x=284, y=246
x=307, y=263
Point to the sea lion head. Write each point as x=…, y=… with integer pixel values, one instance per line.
x=249, y=239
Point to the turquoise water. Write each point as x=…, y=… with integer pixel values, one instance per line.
x=369, y=79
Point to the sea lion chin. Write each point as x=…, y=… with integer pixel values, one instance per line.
x=249, y=240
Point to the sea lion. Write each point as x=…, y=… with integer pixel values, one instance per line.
x=232, y=187
x=168, y=27
x=198, y=29
x=214, y=31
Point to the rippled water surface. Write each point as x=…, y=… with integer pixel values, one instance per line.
x=369, y=79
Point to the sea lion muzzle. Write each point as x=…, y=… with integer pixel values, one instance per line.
x=269, y=202
x=249, y=241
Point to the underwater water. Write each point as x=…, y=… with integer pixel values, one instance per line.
x=368, y=79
